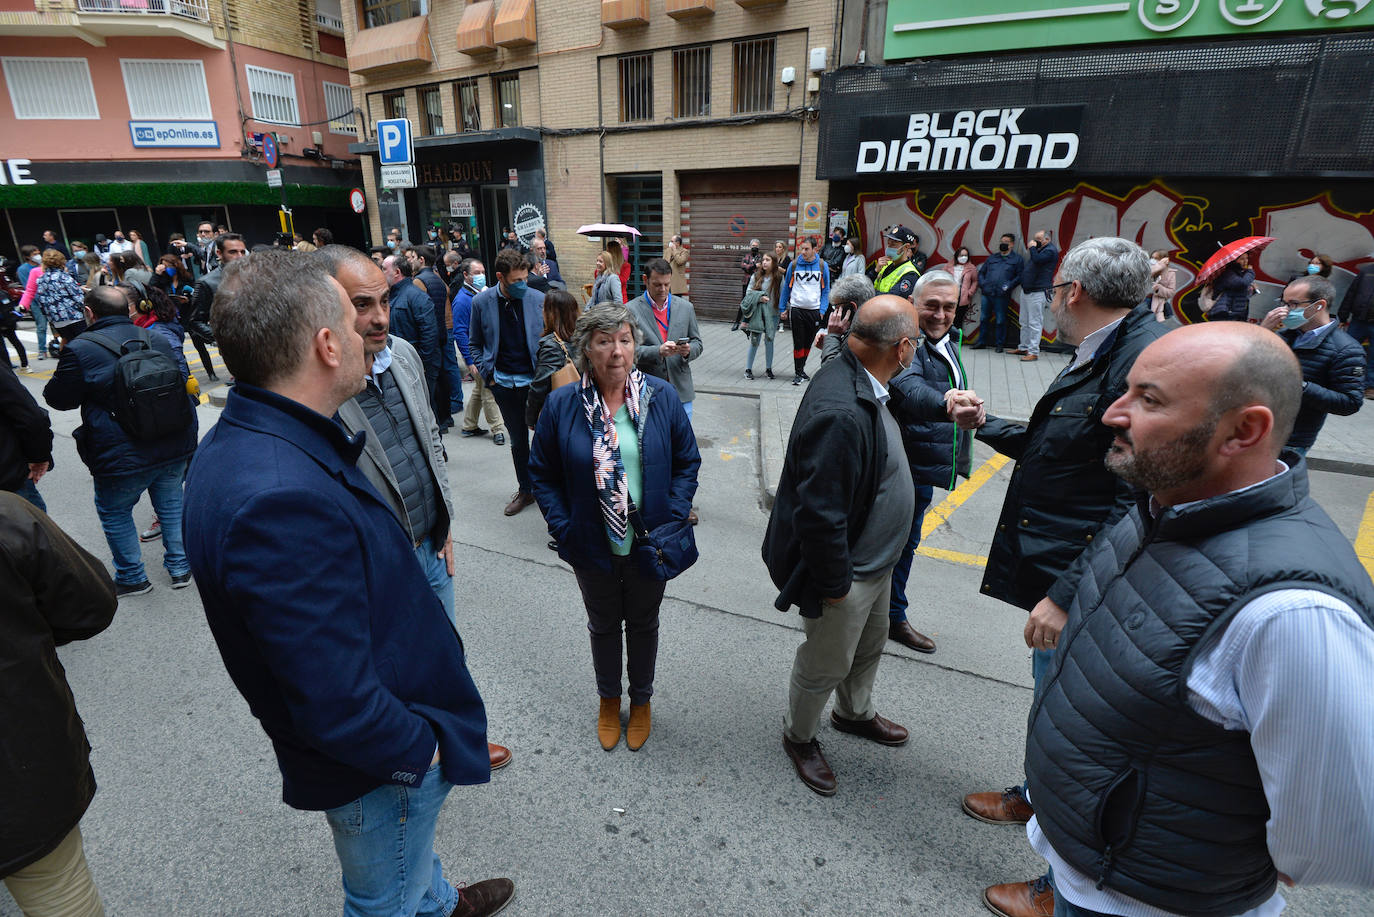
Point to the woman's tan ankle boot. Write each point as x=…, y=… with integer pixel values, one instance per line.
x=608, y=723
x=637, y=733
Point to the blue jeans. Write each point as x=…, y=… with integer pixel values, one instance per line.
x=115, y=497
x=687, y=406
x=40, y=327
x=1364, y=333
x=436, y=571
x=900, y=573
x=385, y=844
x=29, y=491
x=994, y=310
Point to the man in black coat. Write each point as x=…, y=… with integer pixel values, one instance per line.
x=1333, y=363
x=414, y=318
x=1357, y=315
x=1061, y=494
x=25, y=440
x=55, y=592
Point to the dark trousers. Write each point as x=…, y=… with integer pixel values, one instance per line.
x=902, y=572
x=511, y=402
x=448, y=393
x=1363, y=331
x=994, y=317
x=206, y=363
x=623, y=595
x=12, y=335
x=805, y=323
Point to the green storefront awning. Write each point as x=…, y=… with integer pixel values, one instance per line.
x=169, y=194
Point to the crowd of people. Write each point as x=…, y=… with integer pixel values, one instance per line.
x=1187, y=601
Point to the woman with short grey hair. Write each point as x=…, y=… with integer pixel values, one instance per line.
x=614, y=455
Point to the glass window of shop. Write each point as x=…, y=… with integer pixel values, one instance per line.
x=458, y=211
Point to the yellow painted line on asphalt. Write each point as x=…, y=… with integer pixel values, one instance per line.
x=937, y=515
x=1364, y=538
x=955, y=557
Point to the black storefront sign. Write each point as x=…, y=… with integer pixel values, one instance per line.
x=1002, y=139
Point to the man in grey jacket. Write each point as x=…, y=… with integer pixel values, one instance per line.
x=402, y=457
x=668, y=329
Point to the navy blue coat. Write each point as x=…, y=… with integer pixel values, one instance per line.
x=414, y=319
x=561, y=469
x=936, y=449
x=322, y=614
x=999, y=274
x=484, y=331
x=1333, y=368
x=84, y=379
x=1038, y=274
x=1232, y=290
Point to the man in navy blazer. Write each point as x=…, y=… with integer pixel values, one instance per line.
x=507, y=322
x=326, y=623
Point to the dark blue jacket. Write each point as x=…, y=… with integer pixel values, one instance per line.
x=937, y=450
x=414, y=319
x=1232, y=290
x=84, y=379
x=561, y=469
x=324, y=619
x=1000, y=271
x=462, y=320
x=484, y=333
x=175, y=336
x=1333, y=368
x=438, y=292
x=1038, y=274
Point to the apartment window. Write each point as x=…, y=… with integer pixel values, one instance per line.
x=50, y=87
x=636, y=87
x=468, y=104
x=338, y=108
x=394, y=105
x=692, y=82
x=507, y=99
x=171, y=89
x=381, y=12
x=273, y=94
x=431, y=110
x=753, y=89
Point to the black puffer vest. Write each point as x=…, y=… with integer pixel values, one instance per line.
x=1130, y=785
x=390, y=419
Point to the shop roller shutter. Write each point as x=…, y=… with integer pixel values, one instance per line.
x=721, y=227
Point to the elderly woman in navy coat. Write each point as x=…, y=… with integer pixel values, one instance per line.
x=618, y=440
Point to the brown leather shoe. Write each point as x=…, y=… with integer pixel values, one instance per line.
x=484, y=898
x=692, y=517
x=518, y=502
x=1017, y=352
x=1021, y=899
x=1008, y=807
x=910, y=637
x=1369, y=394
x=500, y=755
x=811, y=765
x=1030, y=358
x=608, y=723
x=879, y=729
x=637, y=730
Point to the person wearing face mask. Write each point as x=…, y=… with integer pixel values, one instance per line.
x=121, y=244
x=1333, y=362
x=1164, y=284
x=893, y=272
x=1318, y=264
x=966, y=277
x=853, y=258
x=1038, y=274
x=998, y=275
x=833, y=253
x=471, y=279
x=749, y=264
x=507, y=322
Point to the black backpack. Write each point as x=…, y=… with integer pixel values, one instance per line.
x=149, y=398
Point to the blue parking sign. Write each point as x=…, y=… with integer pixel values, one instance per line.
x=394, y=146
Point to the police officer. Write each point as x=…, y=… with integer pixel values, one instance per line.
x=894, y=272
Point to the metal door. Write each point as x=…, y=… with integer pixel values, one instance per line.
x=639, y=203
x=721, y=227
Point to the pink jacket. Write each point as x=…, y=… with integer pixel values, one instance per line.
x=968, y=284
x=1163, y=291
x=30, y=287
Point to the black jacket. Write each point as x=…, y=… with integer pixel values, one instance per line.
x=55, y=592
x=1358, y=303
x=84, y=379
x=25, y=431
x=1333, y=381
x=414, y=319
x=1060, y=493
x=203, y=295
x=935, y=448
x=830, y=478
x=833, y=255
x=552, y=357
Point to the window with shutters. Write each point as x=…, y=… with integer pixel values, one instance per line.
x=753, y=83
x=338, y=108
x=431, y=111
x=273, y=95
x=507, y=99
x=170, y=89
x=50, y=87
x=692, y=82
x=636, y=87
x=468, y=104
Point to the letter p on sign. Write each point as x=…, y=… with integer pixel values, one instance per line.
x=393, y=142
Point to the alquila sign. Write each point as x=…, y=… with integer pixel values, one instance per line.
x=970, y=140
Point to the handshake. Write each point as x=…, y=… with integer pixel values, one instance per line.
x=965, y=408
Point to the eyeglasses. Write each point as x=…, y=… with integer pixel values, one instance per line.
x=1055, y=286
x=1297, y=304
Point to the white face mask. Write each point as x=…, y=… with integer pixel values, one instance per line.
x=963, y=259
x=848, y=249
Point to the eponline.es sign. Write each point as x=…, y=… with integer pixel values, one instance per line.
x=971, y=140
x=175, y=134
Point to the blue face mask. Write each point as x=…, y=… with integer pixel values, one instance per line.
x=892, y=252
x=390, y=243
x=479, y=281
x=1314, y=268
x=1295, y=318
x=516, y=290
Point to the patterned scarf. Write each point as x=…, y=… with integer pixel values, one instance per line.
x=611, y=487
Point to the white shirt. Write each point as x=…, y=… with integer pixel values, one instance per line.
x=879, y=390
x=1295, y=669
x=1088, y=348
x=118, y=246
x=946, y=350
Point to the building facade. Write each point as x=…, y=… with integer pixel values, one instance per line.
x=1180, y=126
x=148, y=115
x=695, y=116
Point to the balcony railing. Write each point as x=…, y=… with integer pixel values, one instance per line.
x=189, y=9
x=329, y=23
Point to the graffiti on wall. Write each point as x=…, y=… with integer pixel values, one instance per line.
x=1189, y=227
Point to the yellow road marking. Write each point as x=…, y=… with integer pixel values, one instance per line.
x=937, y=515
x=956, y=557
x=1364, y=538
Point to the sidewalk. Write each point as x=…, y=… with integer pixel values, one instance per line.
x=1010, y=388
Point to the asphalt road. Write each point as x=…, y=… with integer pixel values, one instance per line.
x=188, y=817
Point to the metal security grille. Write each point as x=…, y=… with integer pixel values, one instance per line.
x=274, y=96
x=432, y=110
x=172, y=89
x=394, y=104
x=753, y=90
x=50, y=87
x=636, y=87
x=692, y=82
x=380, y=12
x=338, y=108
x=722, y=225
x=469, y=107
x=507, y=99
x=1288, y=105
x=639, y=203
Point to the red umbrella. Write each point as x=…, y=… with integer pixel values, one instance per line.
x=1228, y=253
